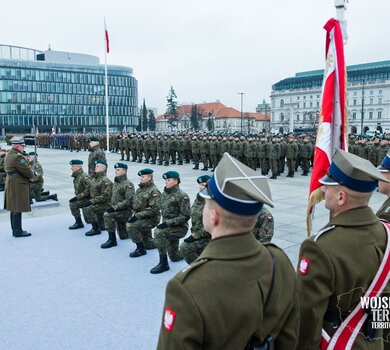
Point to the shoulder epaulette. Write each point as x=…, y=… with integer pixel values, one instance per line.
x=183, y=274
x=325, y=229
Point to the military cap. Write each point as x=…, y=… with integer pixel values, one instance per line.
x=146, y=171
x=101, y=161
x=237, y=188
x=353, y=172
x=76, y=162
x=172, y=174
x=94, y=139
x=120, y=165
x=17, y=140
x=203, y=178
x=385, y=166
x=33, y=154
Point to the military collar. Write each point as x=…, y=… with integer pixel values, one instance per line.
x=172, y=189
x=146, y=184
x=232, y=247
x=77, y=172
x=355, y=217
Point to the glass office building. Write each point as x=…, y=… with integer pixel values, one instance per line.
x=63, y=90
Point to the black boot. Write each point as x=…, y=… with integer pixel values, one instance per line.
x=53, y=197
x=304, y=173
x=166, y=163
x=161, y=266
x=160, y=162
x=205, y=168
x=196, y=167
x=94, y=231
x=111, y=242
x=274, y=176
x=139, y=251
x=17, y=226
x=77, y=224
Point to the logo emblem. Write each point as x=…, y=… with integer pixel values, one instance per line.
x=304, y=266
x=169, y=318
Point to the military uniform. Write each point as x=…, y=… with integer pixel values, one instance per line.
x=100, y=198
x=81, y=184
x=193, y=246
x=95, y=154
x=264, y=228
x=339, y=263
x=17, y=191
x=121, y=204
x=36, y=183
x=146, y=211
x=175, y=211
x=238, y=268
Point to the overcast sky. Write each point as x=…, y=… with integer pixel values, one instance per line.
x=206, y=49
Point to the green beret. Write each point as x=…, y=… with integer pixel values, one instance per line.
x=101, y=161
x=120, y=165
x=172, y=174
x=94, y=138
x=76, y=162
x=146, y=171
x=203, y=178
x=33, y=154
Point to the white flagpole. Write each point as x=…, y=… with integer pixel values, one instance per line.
x=106, y=84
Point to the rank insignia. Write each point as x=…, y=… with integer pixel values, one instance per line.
x=169, y=318
x=304, y=266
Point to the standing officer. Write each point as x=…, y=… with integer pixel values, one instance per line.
x=95, y=153
x=194, y=245
x=338, y=264
x=121, y=206
x=17, y=187
x=82, y=185
x=146, y=214
x=175, y=211
x=100, y=199
x=238, y=292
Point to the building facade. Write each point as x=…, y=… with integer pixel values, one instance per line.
x=216, y=117
x=62, y=90
x=296, y=101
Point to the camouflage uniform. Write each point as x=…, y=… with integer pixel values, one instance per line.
x=146, y=147
x=264, y=228
x=214, y=152
x=146, y=208
x=128, y=145
x=160, y=152
x=172, y=149
x=95, y=154
x=180, y=150
x=153, y=150
x=306, y=150
x=175, y=211
x=187, y=149
x=193, y=246
x=204, y=152
x=82, y=185
x=291, y=155
x=195, y=146
x=2, y=172
x=264, y=164
x=140, y=148
x=36, y=183
x=122, y=201
x=100, y=197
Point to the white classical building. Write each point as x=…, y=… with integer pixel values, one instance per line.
x=368, y=98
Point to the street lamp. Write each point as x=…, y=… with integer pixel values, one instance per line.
x=242, y=98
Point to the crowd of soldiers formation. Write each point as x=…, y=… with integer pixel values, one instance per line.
x=118, y=208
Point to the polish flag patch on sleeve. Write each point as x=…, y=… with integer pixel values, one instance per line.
x=304, y=266
x=169, y=318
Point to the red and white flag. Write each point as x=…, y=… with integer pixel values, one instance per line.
x=106, y=37
x=333, y=124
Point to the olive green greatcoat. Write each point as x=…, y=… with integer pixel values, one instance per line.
x=218, y=299
x=342, y=260
x=17, y=186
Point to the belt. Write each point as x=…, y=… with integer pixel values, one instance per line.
x=13, y=173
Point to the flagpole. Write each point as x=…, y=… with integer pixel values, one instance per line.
x=106, y=84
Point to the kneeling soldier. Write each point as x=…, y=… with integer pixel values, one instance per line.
x=194, y=245
x=146, y=214
x=101, y=189
x=121, y=206
x=82, y=184
x=175, y=211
